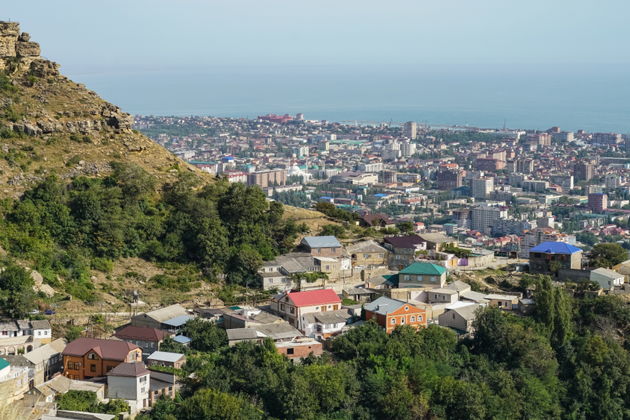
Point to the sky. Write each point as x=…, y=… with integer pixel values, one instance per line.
x=532, y=63
x=140, y=35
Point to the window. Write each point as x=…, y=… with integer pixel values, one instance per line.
x=393, y=321
x=290, y=351
x=419, y=318
x=402, y=320
x=92, y=368
x=282, y=307
x=292, y=310
x=406, y=277
x=412, y=319
x=92, y=356
x=143, y=379
x=406, y=308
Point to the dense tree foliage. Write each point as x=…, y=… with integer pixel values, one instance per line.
x=569, y=360
x=87, y=401
x=66, y=229
x=608, y=255
x=16, y=291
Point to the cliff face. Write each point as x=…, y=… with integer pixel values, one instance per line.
x=49, y=124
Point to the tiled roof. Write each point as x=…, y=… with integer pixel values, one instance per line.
x=423, y=268
x=133, y=369
x=409, y=241
x=131, y=332
x=314, y=297
x=555, y=248
x=107, y=349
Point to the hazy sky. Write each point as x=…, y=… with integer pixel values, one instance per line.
x=140, y=35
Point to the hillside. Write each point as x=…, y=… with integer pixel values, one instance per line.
x=52, y=125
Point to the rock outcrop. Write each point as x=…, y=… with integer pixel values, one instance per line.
x=47, y=122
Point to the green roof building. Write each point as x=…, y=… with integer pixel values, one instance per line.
x=422, y=274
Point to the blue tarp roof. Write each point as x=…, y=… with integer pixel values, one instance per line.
x=555, y=248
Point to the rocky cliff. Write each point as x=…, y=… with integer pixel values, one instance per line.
x=49, y=124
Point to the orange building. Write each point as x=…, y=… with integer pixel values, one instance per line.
x=391, y=313
x=92, y=357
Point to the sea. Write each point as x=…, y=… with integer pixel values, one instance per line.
x=532, y=96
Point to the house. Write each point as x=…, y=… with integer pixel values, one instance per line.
x=276, y=332
x=43, y=395
x=367, y=254
x=248, y=318
x=93, y=357
x=391, y=313
x=377, y=221
x=361, y=294
x=459, y=317
x=147, y=338
x=300, y=348
x=459, y=286
x=22, y=336
x=322, y=246
x=14, y=381
x=130, y=382
x=43, y=362
x=607, y=279
x=551, y=257
x=163, y=385
x=422, y=274
x=168, y=318
x=437, y=241
x=166, y=358
x=442, y=295
x=323, y=325
x=292, y=305
x=507, y=302
x=279, y=274
x=402, y=250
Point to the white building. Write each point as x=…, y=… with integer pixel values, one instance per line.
x=482, y=187
x=485, y=216
x=607, y=279
x=130, y=382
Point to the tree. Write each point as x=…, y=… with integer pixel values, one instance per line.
x=210, y=404
x=16, y=291
x=608, y=255
x=205, y=335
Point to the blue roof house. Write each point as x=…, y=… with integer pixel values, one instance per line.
x=551, y=257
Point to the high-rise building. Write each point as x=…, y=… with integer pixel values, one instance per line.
x=613, y=181
x=583, y=171
x=449, y=179
x=407, y=149
x=525, y=166
x=484, y=217
x=482, y=187
x=266, y=179
x=597, y=202
x=411, y=130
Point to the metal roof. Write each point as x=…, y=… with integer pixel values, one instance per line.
x=423, y=268
x=321, y=242
x=384, y=305
x=555, y=248
x=165, y=356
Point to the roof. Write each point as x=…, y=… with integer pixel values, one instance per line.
x=437, y=238
x=458, y=286
x=474, y=296
x=166, y=313
x=605, y=272
x=555, y=248
x=165, y=356
x=384, y=305
x=107, y=349
x=244, y=334
x=365, y=246
x=321, y=242
x=467, y=312
x=444, y=291
x=178, y=321
x=131, y=332
x=3, y=363
x=409, y=241
x=314, y=297
x=40, y=324
x=133, y=369
x=45, y=352
x=182, y=339
x=424, y=268
x=334, y=317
